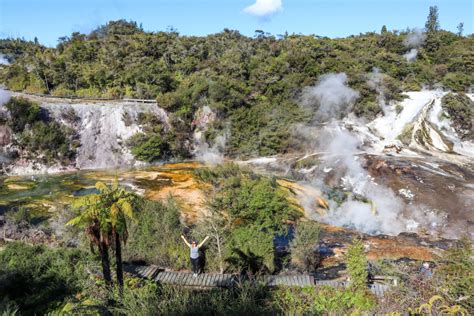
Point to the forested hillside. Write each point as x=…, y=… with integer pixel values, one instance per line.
x=253, y=84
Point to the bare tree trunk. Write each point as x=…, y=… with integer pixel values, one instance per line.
x=104, y=256
x=118, y=260
x=219, y=251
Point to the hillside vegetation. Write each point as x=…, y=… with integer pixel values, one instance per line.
x=253, y=84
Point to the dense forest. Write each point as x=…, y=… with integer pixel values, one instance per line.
x=253, y=84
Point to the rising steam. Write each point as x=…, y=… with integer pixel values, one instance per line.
x=4, y=60
x=202, y=151
x=342, y=153
x=4, y=97
x=413, y=41
x=330, y=97
x=375, y=80
x=369, y=207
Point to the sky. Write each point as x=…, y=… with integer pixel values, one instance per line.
x=50, y=19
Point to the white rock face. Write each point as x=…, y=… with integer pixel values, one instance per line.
x=431, y=132
x=103, y=130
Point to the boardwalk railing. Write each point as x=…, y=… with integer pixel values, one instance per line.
x=213, y=280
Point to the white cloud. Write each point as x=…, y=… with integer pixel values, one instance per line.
x=264, y=8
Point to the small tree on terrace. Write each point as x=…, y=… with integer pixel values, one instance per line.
x=357, y=266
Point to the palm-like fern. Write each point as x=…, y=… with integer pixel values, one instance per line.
x=104, y=217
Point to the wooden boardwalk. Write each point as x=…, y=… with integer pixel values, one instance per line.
x=213, y=280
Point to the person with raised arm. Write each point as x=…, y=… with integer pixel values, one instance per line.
x=194, y=254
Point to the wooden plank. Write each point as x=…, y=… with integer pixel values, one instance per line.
x=176, y=278
x=166, y=277
x=143, y=271
x=270, y=281
x=163, y=277
x=293, y=280
x=206, y=280
x=222, y=279
x=170, y=277
x=159, y=276
x=173, y=278
x=152, y=271
x=202, y=278
x=230, y=280
x=180, y=276
x=301, y=279
x=192, y=280
x=226, y=280
x=147, y=271
x=211, y=280
x=218, y=278
x=185, y=278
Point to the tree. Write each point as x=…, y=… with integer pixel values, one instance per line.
x=384, y=30
x=217, y=226
x=104, y=217
x=432, y=22
x=356, y=263
x=432, y=41
x=460, y=28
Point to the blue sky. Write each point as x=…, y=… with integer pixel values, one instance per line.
x=50, y=19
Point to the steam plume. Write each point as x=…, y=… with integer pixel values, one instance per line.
x=211, y=155
x=331, y=96
x=342, y=153
x=4, y=97
x=375, y=81
x=202, y=151
x=4, y=60
x=413, y=41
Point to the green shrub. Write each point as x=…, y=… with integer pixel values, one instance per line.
x=458, y=81
x=49, y=139
x=88, y=93
x=250, y=249
x=155, y=235
x=20, y=217
x=304, y=246
x=37, y=134
x=149, y=147
x=455, y=273
x=322, y=301
x=460, y=109
x=247, y=212
x=22, y=113
x=62, y=91
x=38, y=279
